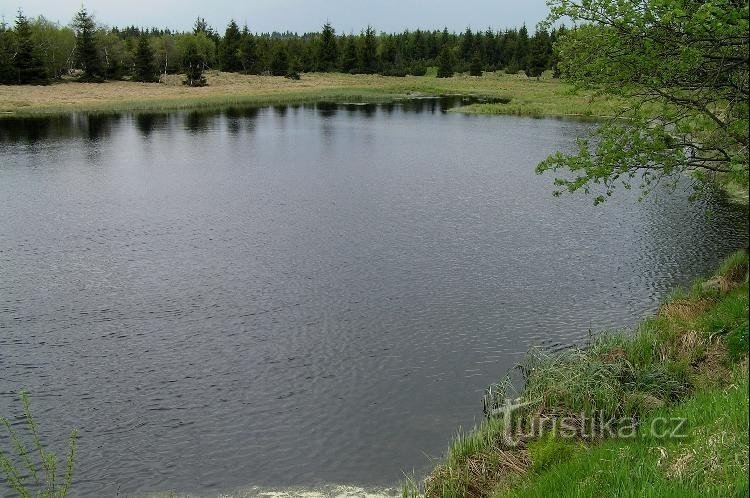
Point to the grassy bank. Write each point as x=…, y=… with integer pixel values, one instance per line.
x=687, y=363
x=522, y=96
x=736, y=191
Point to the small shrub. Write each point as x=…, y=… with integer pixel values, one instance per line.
x=512, y=68
x=200, y=81
x=418, y=69
x=475, y=67
x=431, y=71
x=34, y=470
x=397, y=71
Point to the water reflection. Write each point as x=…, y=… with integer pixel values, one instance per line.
x=75, y=125
x=199, y=121
x=326, y=109
x=100, y=125
x=147, y=122
x=367, y=110
x=234, y=120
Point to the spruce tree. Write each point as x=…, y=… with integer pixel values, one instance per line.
x=86, y=49
x=554, y=59
x=249, y=53
x=349, y=58
x=468, y=45
x=489, y=48
x=7, y=50
x=475, y=68
x=193, y=63
x=293, y=69
x=28, y=65
x=512, y=67
x=280, y=62
x=368, y=53
x=522, y=47
x=328, y=53
x=507, y=48
x=145, y=62
x=539, y=54
x=200, y=26
x=445, y=63
x=419, y=45
x=445, y=38
x=229, y=56
x=418, y=69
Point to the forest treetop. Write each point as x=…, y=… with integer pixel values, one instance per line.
x=51, y=50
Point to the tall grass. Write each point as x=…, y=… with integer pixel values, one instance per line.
x=30, y=469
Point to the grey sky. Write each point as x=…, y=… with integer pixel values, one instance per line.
x=294, y=15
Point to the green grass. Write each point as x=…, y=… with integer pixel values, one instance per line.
x=709, y=459
x=735, y=190
x=688, y=361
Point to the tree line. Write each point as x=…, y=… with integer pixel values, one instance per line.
x=37, y=51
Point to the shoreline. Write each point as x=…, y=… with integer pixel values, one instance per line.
x=520, y=96
x=320, y=491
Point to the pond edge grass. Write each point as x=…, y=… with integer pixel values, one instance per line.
x=693, y=351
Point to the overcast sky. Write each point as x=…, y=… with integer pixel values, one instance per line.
x=293, y=15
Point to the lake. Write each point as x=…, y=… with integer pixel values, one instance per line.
x=303, y=295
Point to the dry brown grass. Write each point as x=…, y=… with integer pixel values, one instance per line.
x=684, y=309
x=487, y=472
x=725, y=283
x=69, y=93
x=713, y=369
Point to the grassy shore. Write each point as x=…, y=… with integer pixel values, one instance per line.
x=689, y=362
x=523, y=96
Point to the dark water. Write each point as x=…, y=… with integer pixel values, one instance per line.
x=301, y=295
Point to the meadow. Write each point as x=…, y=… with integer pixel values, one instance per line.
x=511, y=94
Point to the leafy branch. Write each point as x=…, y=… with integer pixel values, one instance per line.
x=682, y=67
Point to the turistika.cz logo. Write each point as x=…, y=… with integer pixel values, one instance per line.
x=522, y=424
